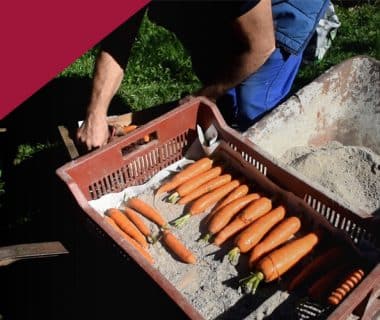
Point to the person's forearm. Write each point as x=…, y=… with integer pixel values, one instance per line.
x=240, y=68
x=111, y=63
x=106, y=81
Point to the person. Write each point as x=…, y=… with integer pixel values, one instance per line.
x=245, y=53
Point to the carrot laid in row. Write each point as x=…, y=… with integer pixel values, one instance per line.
x=276, y=237
x=127, y=226
x=130, y=240
x=206, y=201
x=239, y=192
x=139, y=223
x=319, y=264
x=347, y=285
x=206, y=188
x=279, y=261
x=253, y=211
x=176, y=246
x=252, y=235
x=147, y=211
x=193, y=183
x=320, y=287
x=185, y=174
x=219, y=219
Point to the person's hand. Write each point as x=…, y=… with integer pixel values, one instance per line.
x=94, y=131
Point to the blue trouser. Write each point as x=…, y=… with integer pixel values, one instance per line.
x=264, y=89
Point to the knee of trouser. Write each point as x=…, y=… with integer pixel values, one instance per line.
x=248, y=113
x=266, y=89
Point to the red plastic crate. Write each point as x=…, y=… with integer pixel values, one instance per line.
x=128, y=161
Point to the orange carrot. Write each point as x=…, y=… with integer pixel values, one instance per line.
x=129, y=128
x=194, y=182
x=147, y=211
x=146, y=138
x=206, y=201
x=280, y=260
x=185, y=174
x=130, y=240
x=222, y=217
x=350, y=281
x=205, y=188
x=319, y=289
x=239, y=192
x=127, y=226
x=253, y=211
x=139, y=223
x=178, y=248
x=319, y=264
x=251, y=236
x=276, y=237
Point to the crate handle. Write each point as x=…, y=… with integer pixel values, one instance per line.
x=138, y=142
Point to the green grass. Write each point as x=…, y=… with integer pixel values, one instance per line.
x=160, y=70
x=27, y=151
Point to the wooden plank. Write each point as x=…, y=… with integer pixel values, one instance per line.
x=17, y=252
x=69, y=143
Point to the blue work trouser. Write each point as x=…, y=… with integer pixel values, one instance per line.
x=264, y=89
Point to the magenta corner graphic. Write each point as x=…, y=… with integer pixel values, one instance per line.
x=41, y=38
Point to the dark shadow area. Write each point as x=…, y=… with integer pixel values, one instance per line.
x=94, y=281
x=247, y=304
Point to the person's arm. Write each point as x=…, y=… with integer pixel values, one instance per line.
x=255, y=31
x=107, y=78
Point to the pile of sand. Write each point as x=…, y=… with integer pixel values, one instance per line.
x=351, y=173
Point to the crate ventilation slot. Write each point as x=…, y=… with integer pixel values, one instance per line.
x=250, y=159
x=339, y=221
x=141, y=169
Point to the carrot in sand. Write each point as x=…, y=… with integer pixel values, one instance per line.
x=139, y=223
x=251, y=236
x=130, y=240
x=178, y=248
x=319, y=289
x=147, y=211
x=249, y=214
x=206, y=201
x=239, y=192
x=319, y=264
x=185, y=174
x=194, y=182
x=276, y=237
x=127, y=226
x=280, y=260
x=220, y=218
x=206, y=188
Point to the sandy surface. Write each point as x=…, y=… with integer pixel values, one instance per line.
x=211, y=285
x=351, y=173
